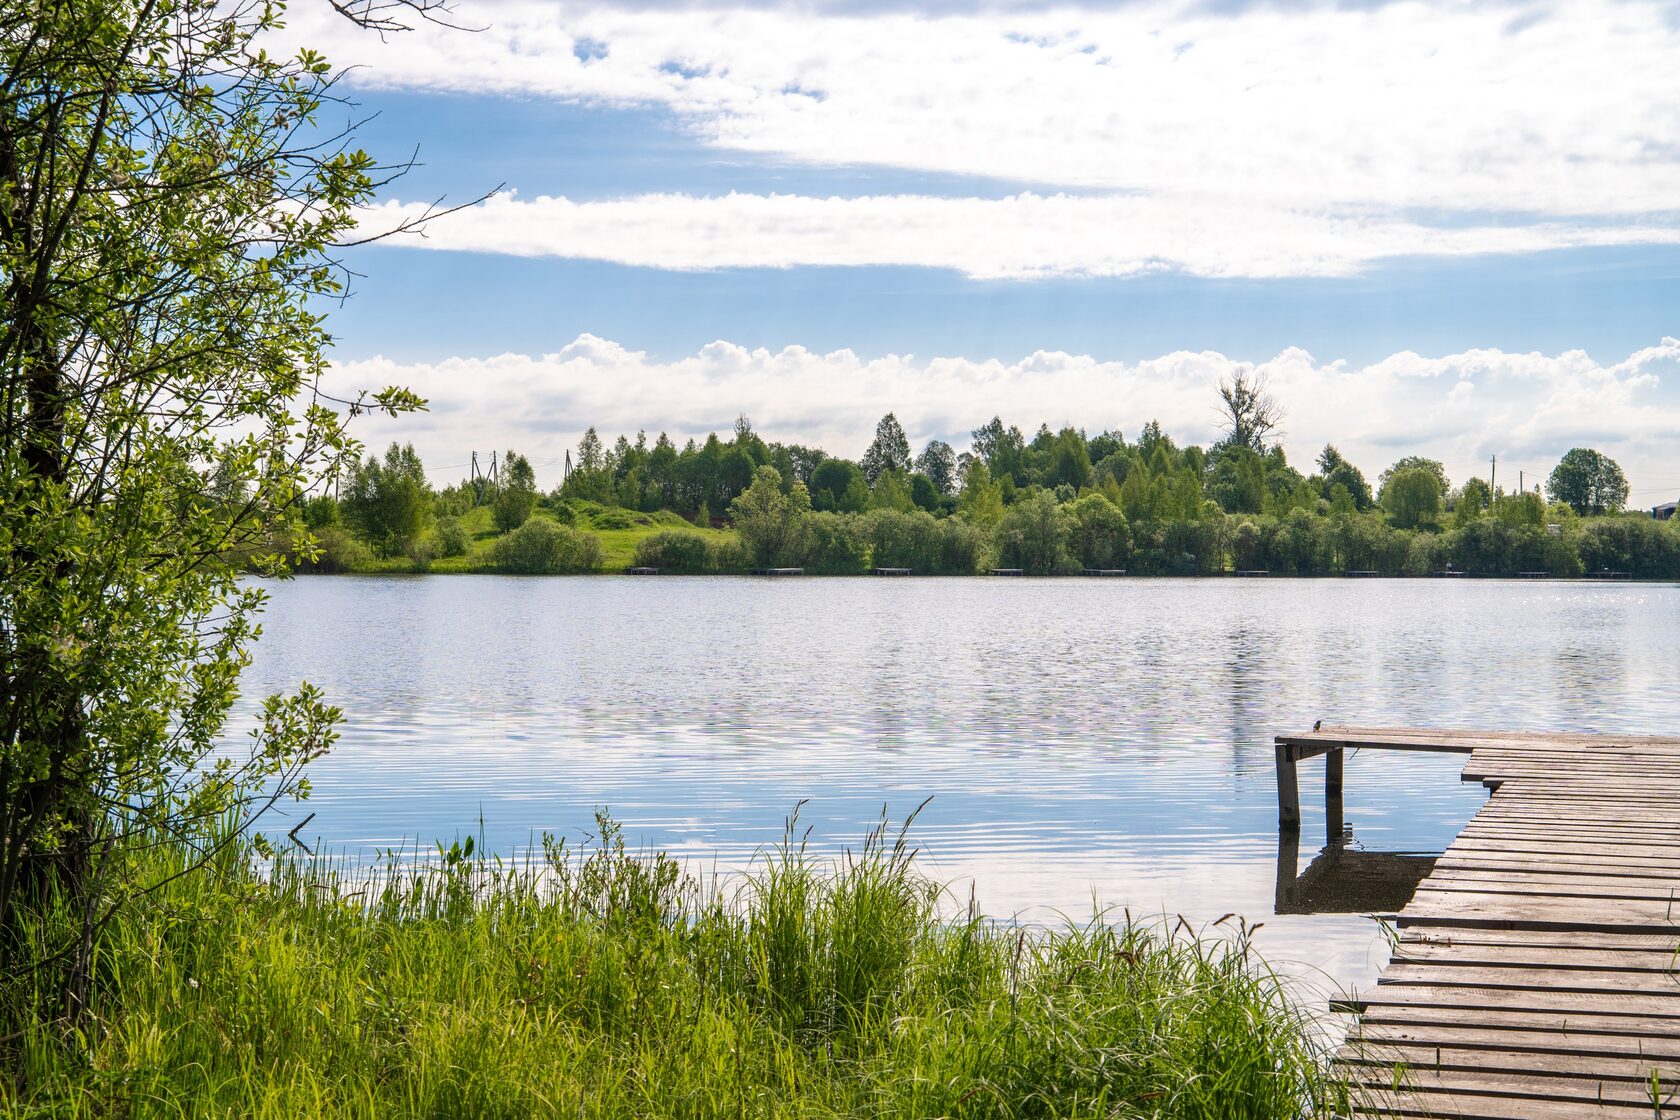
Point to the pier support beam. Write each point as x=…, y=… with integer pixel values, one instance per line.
x=1333, y=795
x=1289, y=790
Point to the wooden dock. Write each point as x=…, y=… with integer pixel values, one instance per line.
x=1535, y=974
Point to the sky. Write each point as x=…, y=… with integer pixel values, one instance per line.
x=1446, y=229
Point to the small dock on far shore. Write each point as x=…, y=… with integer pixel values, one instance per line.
x=1537, y=968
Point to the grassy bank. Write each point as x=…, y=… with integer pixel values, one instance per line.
x=618, y=531
x=604, y=984
x=1038, y=536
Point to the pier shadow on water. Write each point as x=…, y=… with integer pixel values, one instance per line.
x=1343, y=879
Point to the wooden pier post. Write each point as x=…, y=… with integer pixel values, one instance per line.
x=1288, y=871
x=1289, y=790
x=1333, y=795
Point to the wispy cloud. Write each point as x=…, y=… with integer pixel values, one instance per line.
x=1447, y=106
x=1024, y=236
x=1526, y=408
x=1256, y=143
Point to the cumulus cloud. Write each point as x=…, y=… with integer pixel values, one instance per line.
x=1527, y=408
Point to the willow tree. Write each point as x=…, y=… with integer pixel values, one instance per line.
x=171, y=208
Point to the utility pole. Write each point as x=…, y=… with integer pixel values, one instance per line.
x=1493, y=471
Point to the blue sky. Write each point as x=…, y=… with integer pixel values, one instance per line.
x=1439, y=229
x=1608, y=301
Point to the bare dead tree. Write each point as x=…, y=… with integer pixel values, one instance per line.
x=1248, y=411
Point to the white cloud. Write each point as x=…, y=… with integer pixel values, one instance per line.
x=1527, y=408
x=1019, y=237
x=1439, y=105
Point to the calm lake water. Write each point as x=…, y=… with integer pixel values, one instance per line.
x=1084, y=741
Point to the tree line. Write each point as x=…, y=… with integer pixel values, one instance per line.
x=1058, y=502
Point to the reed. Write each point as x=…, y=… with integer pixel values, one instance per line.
x=607, y=983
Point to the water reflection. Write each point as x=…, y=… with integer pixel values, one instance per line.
x=1344, y=878
x=1085, y=742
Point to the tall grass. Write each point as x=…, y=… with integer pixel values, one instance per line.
x=603, y=983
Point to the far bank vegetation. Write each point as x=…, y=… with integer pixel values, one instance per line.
x=1057, y=503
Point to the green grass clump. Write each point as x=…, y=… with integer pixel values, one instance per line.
x=601, y=983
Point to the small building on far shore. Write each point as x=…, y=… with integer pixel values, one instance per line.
x=1664, y=511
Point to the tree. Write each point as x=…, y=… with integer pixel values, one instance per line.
x=1033, y=534
x=518, y=494
x=1336, y=471
x=1098, y=536
x=168, y=215
x=889, y=452
x=981, y=500
x=837, y=486
x=1433, y=466
x=924, y=493
x=1588, y=482
x=592, y=477
x=1473, y=500
x=1237, y=479
x=1068, y=463
x=1003, y=450
x=1250, y=413
x=389, y=504
x=771, y=524
x=892, y=491
x=939, y=462
x=1412, y=497
x=591, y=455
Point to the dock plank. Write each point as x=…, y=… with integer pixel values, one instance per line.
x=1537, y=968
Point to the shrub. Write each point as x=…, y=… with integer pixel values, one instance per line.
x=1194, y=547
x=1298, y=543
x=1032, y=535
x=962, y=547
x=904, y=540
x=837, y=544
x=1635, y=543
x=613, y=518
x=1248, y=544
x=338, y=552
x=770, y=523
x=728, y=556
x=1099, y=535
x=543, y=547
x=513, y=507
x=1366, y=542
x=1425, y=553
x=674, y=552
x=452, y=539
x=420, y=555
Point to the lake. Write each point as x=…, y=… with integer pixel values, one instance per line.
x=1084, y=741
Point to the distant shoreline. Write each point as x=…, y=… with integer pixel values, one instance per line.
x=1478, y=577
